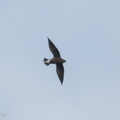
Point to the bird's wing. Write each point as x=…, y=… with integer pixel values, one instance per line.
x=53, y=49
x=60, y=71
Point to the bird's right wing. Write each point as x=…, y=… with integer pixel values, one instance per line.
x=53, y=49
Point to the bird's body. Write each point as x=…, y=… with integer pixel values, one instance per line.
x=56, y=60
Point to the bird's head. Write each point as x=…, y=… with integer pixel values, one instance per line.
x=64, y=61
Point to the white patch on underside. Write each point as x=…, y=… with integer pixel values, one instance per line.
x=47, y=61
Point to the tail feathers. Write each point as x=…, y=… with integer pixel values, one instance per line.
x=45, y=61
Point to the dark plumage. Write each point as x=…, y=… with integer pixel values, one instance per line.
x=56, y=60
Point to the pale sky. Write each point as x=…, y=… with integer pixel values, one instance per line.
x=87, y=33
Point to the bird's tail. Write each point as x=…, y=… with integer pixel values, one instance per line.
x=45, y=61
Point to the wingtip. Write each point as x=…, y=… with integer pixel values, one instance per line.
x=61, y=83
x=48, y=38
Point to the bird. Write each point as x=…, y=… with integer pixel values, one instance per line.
x=55, y=60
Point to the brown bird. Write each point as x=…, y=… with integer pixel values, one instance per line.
x=56, y=60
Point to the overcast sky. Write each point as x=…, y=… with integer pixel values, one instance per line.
x=87, y=33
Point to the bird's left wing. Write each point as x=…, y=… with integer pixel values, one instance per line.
x=60, y=71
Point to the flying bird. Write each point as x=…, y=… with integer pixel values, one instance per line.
x=56, y=60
